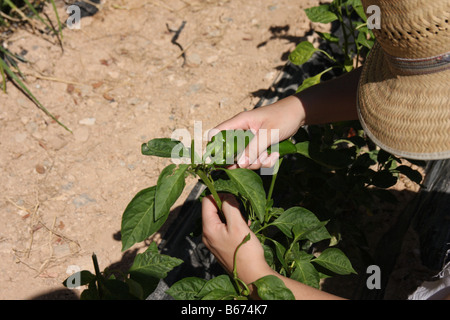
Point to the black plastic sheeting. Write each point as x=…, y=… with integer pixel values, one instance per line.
x=429, y=214
x=432, y=215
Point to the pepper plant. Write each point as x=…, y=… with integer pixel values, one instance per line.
x=322, y=166
x=286, y=235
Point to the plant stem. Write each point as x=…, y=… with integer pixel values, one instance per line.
x=210, y=185
x=236, y=279
x=274, y=177
x=98, y=275
x=341, y=20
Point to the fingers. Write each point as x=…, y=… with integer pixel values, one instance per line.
x=230, y=209
x=255, y=156
x=241, y=121
x=210, y=216
x=265, y=161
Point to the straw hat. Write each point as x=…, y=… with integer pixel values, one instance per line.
x=403, y=94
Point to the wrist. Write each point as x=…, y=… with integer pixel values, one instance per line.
x=252, y=273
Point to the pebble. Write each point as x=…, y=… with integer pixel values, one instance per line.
x=212, y=59
x=194, y=60
x=270, y=75
x=87, y=121
x=40, y=168
x=114, y=74
x=194, y=88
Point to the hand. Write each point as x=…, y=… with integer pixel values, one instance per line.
x=285, y=116
x=222, y=239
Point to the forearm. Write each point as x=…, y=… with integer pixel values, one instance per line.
x=330, y=101
x=304, y=292
x=299, y=290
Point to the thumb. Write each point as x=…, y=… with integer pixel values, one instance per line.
x=210, y=215
x=233, y=216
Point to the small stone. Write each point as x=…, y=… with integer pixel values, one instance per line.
x=212, y=59
x=194, y=60
x=97, y=85
x=108, y=97
x=270, y=75
x=194, y=88
x=87, y=121
x=70, y=88
x=40, y=168
x=114, y=74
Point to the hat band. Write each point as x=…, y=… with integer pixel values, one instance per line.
x=421, y=66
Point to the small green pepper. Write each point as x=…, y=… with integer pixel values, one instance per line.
x=227, y=144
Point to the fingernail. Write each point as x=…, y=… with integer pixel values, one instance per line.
x=243, y=161
x=270, y=161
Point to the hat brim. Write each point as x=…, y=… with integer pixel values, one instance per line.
x=406, y=115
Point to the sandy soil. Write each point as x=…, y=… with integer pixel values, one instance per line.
x=119, y=82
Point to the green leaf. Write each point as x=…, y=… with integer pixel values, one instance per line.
x=362, y=39
x=186, y=288
x=138, y=221
x=383, y=156
x=218, y=288
x=298, y=222
x=305, y=272
x=135, y=289
x=383, y=179
x=91, y=293
x=4, y=67
x=348, y=64
x=312, y=81
x=219, y=294
x=302, y=53
x=165, y=148
x=358, y=7
x=114, y=289
x=273, y=288
x=335, y=260
x=84, y=276
x=225, y=185
x=169, y=187
x=268, y=254
x=151, y=266
x=413, y=175
x=303, y=148
x=321, y=14
x=280, y=251
x=249, y=185
x=328, y=37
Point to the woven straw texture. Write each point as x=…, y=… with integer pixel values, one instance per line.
x=413, y=28
x=406, y=115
